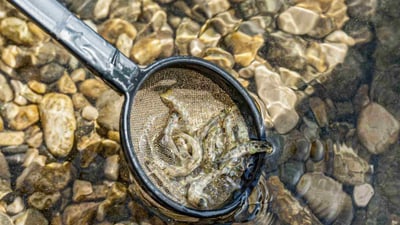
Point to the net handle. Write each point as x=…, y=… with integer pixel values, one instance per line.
x=97, y=54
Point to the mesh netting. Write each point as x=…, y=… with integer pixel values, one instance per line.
x=184, y=127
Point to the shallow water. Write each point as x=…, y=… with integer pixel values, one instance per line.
x=324, y=73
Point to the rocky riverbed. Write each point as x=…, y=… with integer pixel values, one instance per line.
x=324, y=73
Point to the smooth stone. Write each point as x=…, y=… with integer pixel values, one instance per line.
x=102, y=9
x=82, y=213
x=5, y=188
x=50, y=178
x=291, y=172
x=362, y=194
x=109, y=105
x=78, y=75
x=16, y=30
x=37, y=86
x=43, y=201
x=303, y=148
x=16, y=206
x=90, y=113
x=319, y=110
x=23, y=93
x=377, y=128
x=92, y=88
x=111, y=168
x=6, y=93
x=66, y=85
x=297, y=20
x=31, y=217
x=51, y=72
x=34, y=136
x=58, y=122
x=317, y=152
x=80, y=189
x=79, y=101
x=21, y=117
x=11, y=138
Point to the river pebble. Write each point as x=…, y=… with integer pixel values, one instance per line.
x=377, y=128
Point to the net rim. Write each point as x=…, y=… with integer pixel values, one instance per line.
x=139, y=174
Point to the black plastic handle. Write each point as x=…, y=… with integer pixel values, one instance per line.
x=89, y=47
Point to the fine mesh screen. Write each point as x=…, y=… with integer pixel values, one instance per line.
x=182, y=125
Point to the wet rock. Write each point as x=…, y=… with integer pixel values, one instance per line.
x=20, y=118
x=58, y=122
x=66, y=85
x=297, y=20
x=5, y=219
x=377, y=128
x=348, y=167
x=317, y=152
x=90, y=113
x=244, y=47
x=362, y=194
x=51, y=72
x=303, y=148
x=92, y=88
x=111, y=168
x=78, y=75
x=6, y=93
x=34, y=136
x=127, y=10
x=5, y=188
x=23, y=94
x=37, y=86
x=324, y=196
x=79, y=101
x=11, y=138
x=109, y=105
x=319, y=110
x=361, y=99
x=80, y=189
x=186, y=32
x=102, y=9
x=16, y=57
x=113, y=28
x=286, y=50
x=82, y=213
x=291, y=172
x=16, y=30
x=16, y=206
x=287, y=207
x=43, y=201
x=278, y=99
x=50, y=178
x=220, y=57
x=116, y=194
x=31, y=217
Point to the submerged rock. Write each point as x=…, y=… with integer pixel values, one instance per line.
x=58, y=122
x=377, y=128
